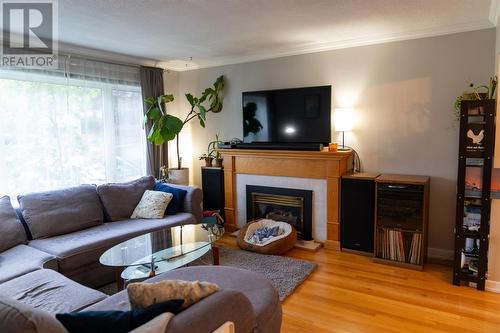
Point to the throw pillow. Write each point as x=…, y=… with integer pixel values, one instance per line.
x=177, y=203
x=115, y=321
x=144, y=294
x=152, y=205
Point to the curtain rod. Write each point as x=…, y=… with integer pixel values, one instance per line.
x=110, y=62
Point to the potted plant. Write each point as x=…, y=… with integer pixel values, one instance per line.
x=166, y=127
x=488, y=92
x=213, y=147
x=208, y=159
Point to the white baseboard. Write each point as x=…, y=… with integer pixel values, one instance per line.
x=440, y=254
x=493, y=286
x=447, y=255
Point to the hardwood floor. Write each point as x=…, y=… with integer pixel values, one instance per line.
x=350, y=293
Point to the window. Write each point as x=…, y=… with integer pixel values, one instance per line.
x=69, y=127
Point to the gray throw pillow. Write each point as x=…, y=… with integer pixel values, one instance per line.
x=12, y=231
x=120, y=199
x=17, y=317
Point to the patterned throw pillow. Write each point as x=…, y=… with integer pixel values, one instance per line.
x=142, y=295
x=152, y=205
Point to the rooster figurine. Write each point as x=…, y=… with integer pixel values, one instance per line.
x=476, y=139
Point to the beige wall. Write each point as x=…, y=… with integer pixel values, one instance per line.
x=497, y=46
x=493, y=282
x=403, y=93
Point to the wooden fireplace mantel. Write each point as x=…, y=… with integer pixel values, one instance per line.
x=302, y=164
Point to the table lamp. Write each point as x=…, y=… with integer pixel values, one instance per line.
x=343, y=121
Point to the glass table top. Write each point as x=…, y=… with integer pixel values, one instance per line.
x=168, y=247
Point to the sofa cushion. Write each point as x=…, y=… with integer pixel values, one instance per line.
x=11, y=230
x=86, y=246
x=22, y=259
x=17, y=317
x=48, y=290
x=120, y=199
x=177, y=203
x=62, y=211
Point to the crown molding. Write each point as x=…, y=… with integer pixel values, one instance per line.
x=494, y=12
x=82, y=51
x=181, y=65
x=90, y=53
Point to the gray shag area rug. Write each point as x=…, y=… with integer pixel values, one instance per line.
x=284, y=273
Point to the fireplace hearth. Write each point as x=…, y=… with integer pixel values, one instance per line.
x=292, y=206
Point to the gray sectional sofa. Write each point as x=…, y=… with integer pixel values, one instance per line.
x=76, y=225
x=49, y=260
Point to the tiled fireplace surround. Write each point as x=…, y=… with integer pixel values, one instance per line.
x=318, y=186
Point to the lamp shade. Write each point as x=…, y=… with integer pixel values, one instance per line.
x=343, y=119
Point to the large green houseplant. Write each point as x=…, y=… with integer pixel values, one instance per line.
x=166, y=127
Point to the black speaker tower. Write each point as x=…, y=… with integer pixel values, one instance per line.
x=357, y=212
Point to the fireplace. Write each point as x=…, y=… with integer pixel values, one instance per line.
x=281, y=204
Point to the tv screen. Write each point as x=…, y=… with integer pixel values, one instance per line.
x=299, y=115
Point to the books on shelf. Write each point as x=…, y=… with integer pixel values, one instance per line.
x=473, y=161
x=415, y=249
x=472, y=217
x=473, y=182
x=475, y=139
x=397, y=246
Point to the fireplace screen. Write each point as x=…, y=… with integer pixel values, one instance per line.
x=281, y=204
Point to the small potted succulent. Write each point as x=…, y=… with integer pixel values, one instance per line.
x=208, y=159
x=213, y=147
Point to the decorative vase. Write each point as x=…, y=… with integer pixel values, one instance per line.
x=179, y=176
x=218, y=162
x=208, y=161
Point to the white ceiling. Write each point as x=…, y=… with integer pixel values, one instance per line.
x=215, y=32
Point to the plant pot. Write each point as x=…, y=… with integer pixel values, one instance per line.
x=179, y=176
x=208, y=161
x=218, y=162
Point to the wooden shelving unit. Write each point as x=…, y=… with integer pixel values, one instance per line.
x=476, y=147
x=401, y=218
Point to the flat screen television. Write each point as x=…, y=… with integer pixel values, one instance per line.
x=299, y=115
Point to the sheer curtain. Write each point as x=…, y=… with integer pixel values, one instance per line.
x=79, y=123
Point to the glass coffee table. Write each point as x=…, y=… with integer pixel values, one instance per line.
x=161, y=251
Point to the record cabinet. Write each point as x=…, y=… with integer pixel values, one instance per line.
x=401, y=218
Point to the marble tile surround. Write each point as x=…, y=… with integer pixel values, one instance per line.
x=318, y=186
